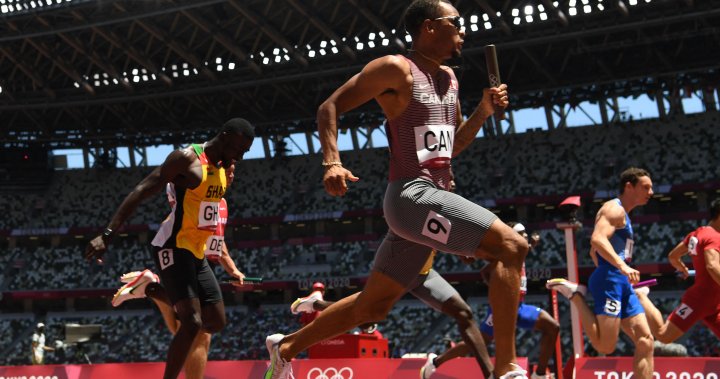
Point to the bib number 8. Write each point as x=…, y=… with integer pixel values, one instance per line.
x=166, y=258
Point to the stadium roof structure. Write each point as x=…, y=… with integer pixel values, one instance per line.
x=118, y=73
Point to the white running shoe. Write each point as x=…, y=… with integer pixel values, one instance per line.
x=566, y=287
x=645, y=290
x=305, y=304
x=134, y=289
x=546, y=376
x=517, y=373
x=429, y=367
x=279, y=368
x=130, y=276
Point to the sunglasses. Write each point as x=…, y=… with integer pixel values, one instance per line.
x=454, y=20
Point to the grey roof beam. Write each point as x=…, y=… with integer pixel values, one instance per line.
x=130, y=50
x=179, y=48
x=377, y=22
x=26, y=69
x=492, y=13
x=223, y=39
x=539, y=66
x=557, y=13
x=111, y=20
x=323, y=27
x=269, y=30
x=61, y=64
x=92, y=55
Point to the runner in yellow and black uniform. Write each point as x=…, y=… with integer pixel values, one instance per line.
x=179, y=245
x=197, y=173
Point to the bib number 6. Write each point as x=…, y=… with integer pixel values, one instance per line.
x=437, y=227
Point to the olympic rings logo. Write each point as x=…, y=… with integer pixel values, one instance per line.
x=330, y=373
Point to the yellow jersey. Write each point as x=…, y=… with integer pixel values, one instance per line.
x=196, y=213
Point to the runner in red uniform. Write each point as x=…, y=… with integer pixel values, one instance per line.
x=700, y=302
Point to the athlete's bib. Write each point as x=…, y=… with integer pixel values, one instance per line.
x=692, y=245
x=213, y=246
x=209, y=215
x=434, y=145
x=629, y=249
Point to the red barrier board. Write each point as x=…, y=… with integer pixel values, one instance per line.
x=665, y=368
x=350, y=346
x=369, y=368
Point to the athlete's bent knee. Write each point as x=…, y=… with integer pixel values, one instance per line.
x=215, y=325
x=190, y=321
x=644, y=345
x=605, y=349
x=463, y=315
x=517, y=248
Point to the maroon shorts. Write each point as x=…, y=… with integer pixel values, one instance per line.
x=697, y=304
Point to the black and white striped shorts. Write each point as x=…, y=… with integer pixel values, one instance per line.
x=422, y=217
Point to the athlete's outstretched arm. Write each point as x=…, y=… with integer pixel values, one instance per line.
x=468, y=129
x=675, y=258
x=609, y=218
x=229, y=265
x=380, y=76
x=175, y=165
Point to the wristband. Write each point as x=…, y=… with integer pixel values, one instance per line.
x=107, y=234
x=332, y=163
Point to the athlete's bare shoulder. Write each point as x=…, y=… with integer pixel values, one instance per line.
x=182, y=167
x=393, y=70
x=613, y=212
x=181, y=157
